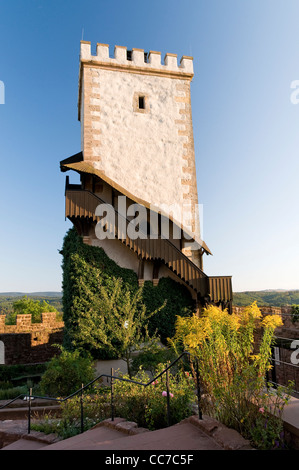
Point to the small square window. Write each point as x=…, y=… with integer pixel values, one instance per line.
x=141, y=102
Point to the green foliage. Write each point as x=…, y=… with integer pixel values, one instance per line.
x=29, y=306
x=264, y=425
x=10, y=373
x=66, y=373
x=295, y=313
x=93, y=284
x=7, y=300
x=17, y=379
x=147, y=406
x=8, y=393
x=84, y=269
x=97, y=407
x=116, y=323
x=178, y=302
x=150, y=356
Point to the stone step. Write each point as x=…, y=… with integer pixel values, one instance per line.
x=25, y=444
x=190, y=434
x=183, y=437
x=90, y=440
x=12, y=431
x=119, y=434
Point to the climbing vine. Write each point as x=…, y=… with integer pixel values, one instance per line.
x=89, y=275
x=295, y=313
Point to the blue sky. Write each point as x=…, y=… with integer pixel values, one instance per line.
x=246, y=129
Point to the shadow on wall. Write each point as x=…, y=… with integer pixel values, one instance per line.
x=25, y=348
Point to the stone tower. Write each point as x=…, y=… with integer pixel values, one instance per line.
x=136, y=122
x=137, y=142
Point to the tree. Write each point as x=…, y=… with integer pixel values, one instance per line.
x=27, y=306
x=116, y=322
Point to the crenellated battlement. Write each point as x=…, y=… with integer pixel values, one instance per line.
x=136, y=58
x=24, y=323
x=30, y=343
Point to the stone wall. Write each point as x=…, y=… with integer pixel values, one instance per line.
x=27, y=342
x=288, y=329
x=285, y=355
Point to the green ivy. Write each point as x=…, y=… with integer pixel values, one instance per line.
x=178, y=302
x=86, y=267
x=295, y=313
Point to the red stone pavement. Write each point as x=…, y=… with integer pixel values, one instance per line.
x=190, y=434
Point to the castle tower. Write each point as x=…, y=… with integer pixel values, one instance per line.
x=136, y=122
x=137, y=141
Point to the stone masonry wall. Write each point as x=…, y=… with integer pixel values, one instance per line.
x=284, y=360
x=29, y=343
x=288, y=329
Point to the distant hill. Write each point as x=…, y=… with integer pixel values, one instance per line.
x=271, y=298
x=31, y=294
x=274, y=298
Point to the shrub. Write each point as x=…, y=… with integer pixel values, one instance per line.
x=8, y=393
x=150, y=356
x=11, y=372
x=147, y=406
x=231, y=364
x=264, y=425
x=66, y=373
x=17, y=379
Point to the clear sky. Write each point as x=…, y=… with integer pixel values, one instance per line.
x=246, y=128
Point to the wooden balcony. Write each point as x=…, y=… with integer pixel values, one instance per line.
x=82, y=204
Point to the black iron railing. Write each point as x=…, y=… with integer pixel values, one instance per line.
x=283, y=369
x=112, y=378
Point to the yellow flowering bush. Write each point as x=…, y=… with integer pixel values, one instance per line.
x=233, y=353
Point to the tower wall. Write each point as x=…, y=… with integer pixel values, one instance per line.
x=150, y=150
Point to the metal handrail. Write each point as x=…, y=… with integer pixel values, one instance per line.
x=112, y=377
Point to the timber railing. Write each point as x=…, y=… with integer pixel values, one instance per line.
x=81, y=203
x=112, y=378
